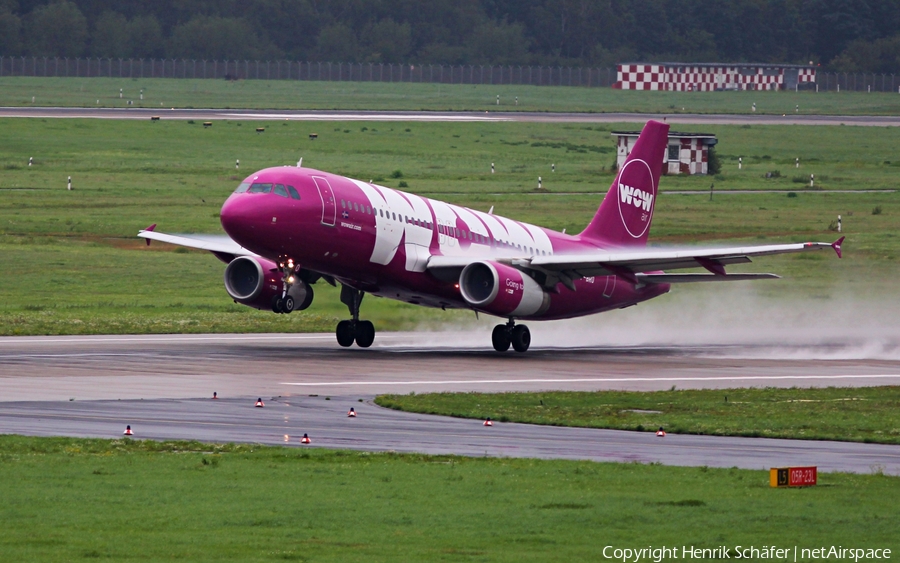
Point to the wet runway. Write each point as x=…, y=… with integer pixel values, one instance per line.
x=161, y=385
x=192, y=366
x=546, y=117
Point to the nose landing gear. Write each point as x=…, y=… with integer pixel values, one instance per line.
x=363, y=332
x=296, y=295
x=511, y=334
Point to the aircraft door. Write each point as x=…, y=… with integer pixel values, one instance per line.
x=329, y=208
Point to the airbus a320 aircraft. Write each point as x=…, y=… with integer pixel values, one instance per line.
x=290, y=227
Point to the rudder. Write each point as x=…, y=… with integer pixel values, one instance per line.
x=626, y=212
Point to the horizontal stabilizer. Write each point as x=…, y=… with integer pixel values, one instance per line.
x=693, y=278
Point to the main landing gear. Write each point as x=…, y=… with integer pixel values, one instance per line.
x=363, y=332
x=511, y=334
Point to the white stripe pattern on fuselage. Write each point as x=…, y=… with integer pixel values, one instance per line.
x=417, y=218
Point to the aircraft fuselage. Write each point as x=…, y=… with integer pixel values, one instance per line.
x=379, y=240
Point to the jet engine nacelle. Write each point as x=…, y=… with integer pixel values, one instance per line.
x=256, y=282
x=502, y=290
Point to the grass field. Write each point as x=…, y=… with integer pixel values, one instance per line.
x=73, y=265
x=286, y=94
x=861, y=414
x=74, y=499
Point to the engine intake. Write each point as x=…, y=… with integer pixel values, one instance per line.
x=502, y=290
x=256, y=282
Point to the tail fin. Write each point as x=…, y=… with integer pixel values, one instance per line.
x=625, y=214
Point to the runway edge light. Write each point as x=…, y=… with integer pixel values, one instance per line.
x=780, y=477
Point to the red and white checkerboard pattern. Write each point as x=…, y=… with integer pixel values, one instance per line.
x=702, y=78
x=693, y=154
x=642, y=77
x=692, y=158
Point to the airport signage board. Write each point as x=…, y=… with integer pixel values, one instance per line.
x=793, y=476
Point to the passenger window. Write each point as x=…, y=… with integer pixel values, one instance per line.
x=343, y=204
x=279, y=190
x=242, y=188
x=294, y=193
x=368, y=210
x=355, y=207
x=260, y=188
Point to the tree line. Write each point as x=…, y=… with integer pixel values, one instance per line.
x=841, y=35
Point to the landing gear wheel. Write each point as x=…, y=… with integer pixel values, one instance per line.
x=521, y=338
x=365, y=334
x=288, y=304
x=501, y=338
x=277, y=304
x=346, y=332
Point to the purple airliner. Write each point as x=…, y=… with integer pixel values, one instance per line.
x=290, y=227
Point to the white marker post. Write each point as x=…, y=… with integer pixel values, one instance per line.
x=540, y=185
x=517, y=100
x=797, y=108
x=740, y=162
x=839, y=223
x=142, y=93
x=30, y=161
x=752, y=108
x=120, y=93
x=69, y=187
x=498, y=99
x=237, y=164
x=492, y=168
x=553, y=168
x=812, y=178
x=797, y=162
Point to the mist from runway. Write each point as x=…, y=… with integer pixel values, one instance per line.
x=733, y=320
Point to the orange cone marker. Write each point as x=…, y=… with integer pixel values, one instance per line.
x=128, y=431
x=352, y=413
x=661, y=433
x=305, y=440
x=259, y=403
x=488, y=422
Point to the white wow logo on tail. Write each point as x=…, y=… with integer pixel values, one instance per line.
x=635, y=196
x=636, y=192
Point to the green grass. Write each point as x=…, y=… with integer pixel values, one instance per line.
x=72, y=263
x=286, y=94
x=76, y=499
x=861, y=414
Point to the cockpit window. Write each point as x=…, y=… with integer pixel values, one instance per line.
x=294, y=193
x=260, y=188
x=242, y=188
x=279, y=190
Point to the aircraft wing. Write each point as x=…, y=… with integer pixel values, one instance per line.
x=634, y=265
x=221, y=245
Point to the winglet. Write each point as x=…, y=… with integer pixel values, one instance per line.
x=836, y=245
x=150, y=228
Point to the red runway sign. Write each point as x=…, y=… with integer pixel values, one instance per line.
x=792, y=476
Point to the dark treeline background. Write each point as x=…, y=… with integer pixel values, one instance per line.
x=843, y=35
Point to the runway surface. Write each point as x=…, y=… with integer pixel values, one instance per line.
x=191, y=366
x=548, y=117
x=161, y=385
x=284, y=421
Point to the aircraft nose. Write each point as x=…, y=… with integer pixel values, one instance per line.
x=231, y=214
